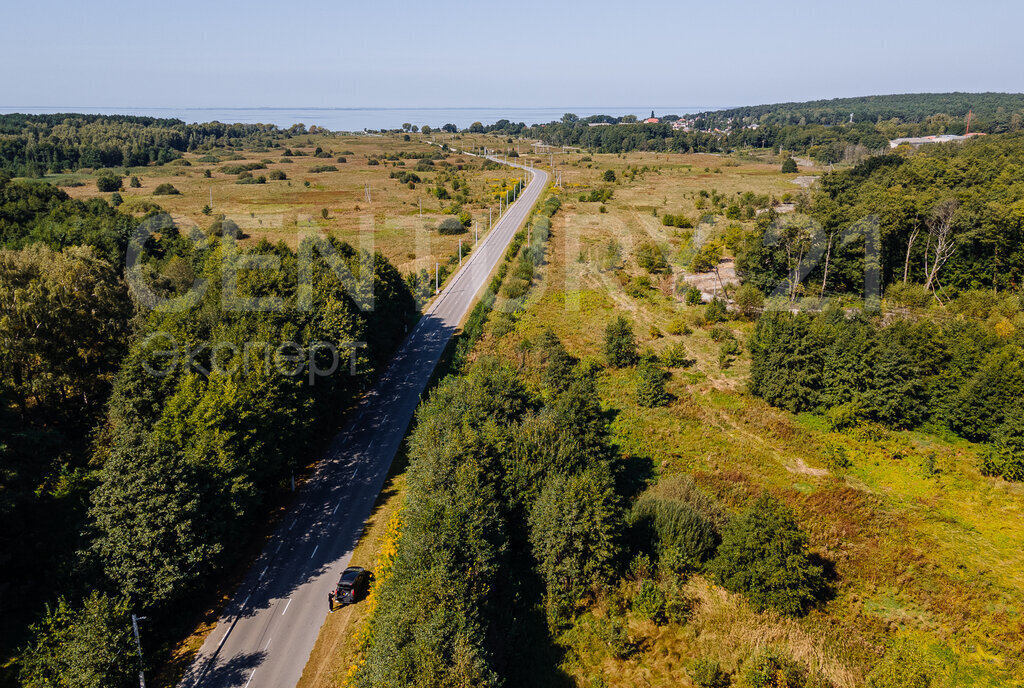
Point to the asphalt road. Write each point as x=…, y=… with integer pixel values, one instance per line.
x=266, y=633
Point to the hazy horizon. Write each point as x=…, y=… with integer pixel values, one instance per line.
x=326, y=55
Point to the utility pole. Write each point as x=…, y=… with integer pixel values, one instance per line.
x=490, y=217
x=138, y=646
x=437, y=277
x=460, y=253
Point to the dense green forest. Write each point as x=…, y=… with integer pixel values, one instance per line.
x=33, y=145
x=994, y=111
x=958, y=367
x=949, y=217
x=130, y=482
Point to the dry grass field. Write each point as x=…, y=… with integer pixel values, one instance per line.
x=400, y=220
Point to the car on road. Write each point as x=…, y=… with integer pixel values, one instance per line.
x=352, y=585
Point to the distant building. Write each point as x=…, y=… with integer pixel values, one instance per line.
x=651, y=120
x=915, y=141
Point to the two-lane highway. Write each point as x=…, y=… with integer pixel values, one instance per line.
x=266, y=633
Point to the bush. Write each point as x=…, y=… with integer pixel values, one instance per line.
x=165, y=190
x=900, y=295
x=115, y=199
x=681, y=538
x=277, y=175
x=680, y=221
x=764, y=555
x=708, y=674
x=675, y=356
x=649, y=601
x=693, y=297
x=323, y=168
x=639, y=287
x=749, y=300
x=450, y=226
x=650, y=385
x=789, y=166
x=772, y=670
x=715, y=312
x=620, y=347
x=608, y=176
x=108, y=183
x=650, y=258
x=135, y=183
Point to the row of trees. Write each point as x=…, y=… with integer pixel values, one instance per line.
x=958, y=373
x=505, y=486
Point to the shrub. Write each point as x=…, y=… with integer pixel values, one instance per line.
x=715, y=312
x=708, y=674
x=608, y=176
x=109, y=182
x=165, y=190
x=675, y=356
x=650, y=385
x=134, y=182
x=450, y=225
x=764, y=555
x=639, y=287
x=323, y=168
x=681, y=538
x=789, y=166
x=772, y=670
x=465, y=219
x=693, y=297
x=681, y=221
x=115, y=199
x=749, y=300
x=650, y=258
x=649, y=601
x=277, y=175
x=619, y=343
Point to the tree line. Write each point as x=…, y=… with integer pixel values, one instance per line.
x=964, y=371
x=33, y=145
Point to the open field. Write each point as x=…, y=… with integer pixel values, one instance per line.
x=399, y=219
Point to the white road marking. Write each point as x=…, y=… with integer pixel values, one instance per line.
x=335, y=508
x=286, y=606
x=263, y=572
x=294, y=521
x=314, y=551
x=250, y=678
x=267, y=645
x=246, y=600
x=279, y=546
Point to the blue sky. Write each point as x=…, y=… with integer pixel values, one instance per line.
x=526, y=53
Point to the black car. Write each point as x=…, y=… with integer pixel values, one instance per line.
x=352, y=586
